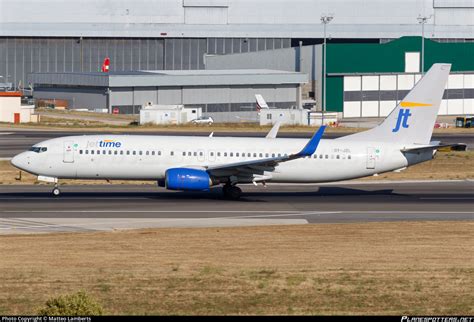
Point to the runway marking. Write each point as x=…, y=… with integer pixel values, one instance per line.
x=191, y=220
x=280, y=212
x=447, y=198
x=6, y=133
x=135, y=221
x=150, y=211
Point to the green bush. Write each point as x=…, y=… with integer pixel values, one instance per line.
x=73, y=304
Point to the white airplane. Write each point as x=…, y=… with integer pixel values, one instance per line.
x=198, y=163
x=260, y=103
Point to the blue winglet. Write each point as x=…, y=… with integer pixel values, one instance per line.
x=311, y=146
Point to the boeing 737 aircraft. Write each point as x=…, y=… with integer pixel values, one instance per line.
x=198, y=163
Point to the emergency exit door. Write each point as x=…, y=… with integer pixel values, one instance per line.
x=68, y=154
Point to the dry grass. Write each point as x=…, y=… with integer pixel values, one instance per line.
x=447, y=165
x=373, y=268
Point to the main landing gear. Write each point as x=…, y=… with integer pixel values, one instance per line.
x=231, y=192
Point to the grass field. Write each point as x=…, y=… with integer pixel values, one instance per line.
x=90, y=121
x=446, y=165
x=413, y=268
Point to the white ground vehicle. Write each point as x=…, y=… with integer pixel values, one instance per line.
x=203, y=120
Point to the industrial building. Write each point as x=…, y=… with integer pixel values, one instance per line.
x=368, y=80
x=226, y=95
x=13, y=110
x=75, y=36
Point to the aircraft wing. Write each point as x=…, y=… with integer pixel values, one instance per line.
x=256, y=168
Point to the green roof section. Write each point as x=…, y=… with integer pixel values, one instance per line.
x=388, y=58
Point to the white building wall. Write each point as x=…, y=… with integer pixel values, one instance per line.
x=366, y=95
x=234, y=18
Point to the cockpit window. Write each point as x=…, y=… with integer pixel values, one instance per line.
x=38, y=149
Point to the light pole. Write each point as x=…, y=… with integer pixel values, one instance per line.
x=422, y=20
x=325, y=20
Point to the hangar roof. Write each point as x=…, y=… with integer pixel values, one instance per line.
x=172, y=78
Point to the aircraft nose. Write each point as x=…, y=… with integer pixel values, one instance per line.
x=20, y=161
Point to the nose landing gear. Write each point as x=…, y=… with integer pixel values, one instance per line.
x=56, y=192
x=231, y=192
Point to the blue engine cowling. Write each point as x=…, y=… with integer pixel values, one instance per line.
x=187, y=179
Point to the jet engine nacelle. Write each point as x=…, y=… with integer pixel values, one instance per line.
x=187, y=179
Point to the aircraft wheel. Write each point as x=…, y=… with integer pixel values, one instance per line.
x=56, y=192
x=232, y=192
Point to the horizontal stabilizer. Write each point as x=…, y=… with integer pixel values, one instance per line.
x=454, y=146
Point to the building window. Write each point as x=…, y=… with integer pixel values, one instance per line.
x=80, y=151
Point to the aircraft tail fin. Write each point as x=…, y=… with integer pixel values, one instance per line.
x=412, y=121
x=261, y=104
x=106, y=65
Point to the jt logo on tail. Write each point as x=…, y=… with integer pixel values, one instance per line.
x=402, y=120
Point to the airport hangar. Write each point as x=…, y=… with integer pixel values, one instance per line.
x=71, y=36
x=226, y=95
